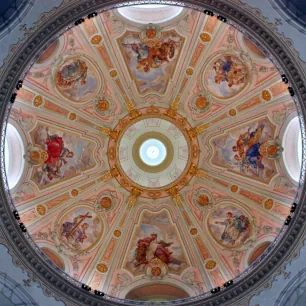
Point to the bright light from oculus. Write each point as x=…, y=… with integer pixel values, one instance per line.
x=153, y=152
x=149, y=6
x=150, y=13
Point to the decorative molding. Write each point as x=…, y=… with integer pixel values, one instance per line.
x=28, y=256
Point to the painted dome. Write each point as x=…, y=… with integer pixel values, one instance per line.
x=154, y=159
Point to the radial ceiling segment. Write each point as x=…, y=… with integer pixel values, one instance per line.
x=154, y=154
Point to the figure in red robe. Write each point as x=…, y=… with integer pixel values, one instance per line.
x=142, y=247
x=57, y=155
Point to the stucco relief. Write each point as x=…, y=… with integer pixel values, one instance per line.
x=202, y=200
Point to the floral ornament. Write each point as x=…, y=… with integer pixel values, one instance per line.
x=104, y=105
x=200, y=103
x=202, y=199
x=106, y=202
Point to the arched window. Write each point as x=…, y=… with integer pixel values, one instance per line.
x=157, y=293
x=258, y=251
x=292, y=144
x=13, y=155
x=150, y=13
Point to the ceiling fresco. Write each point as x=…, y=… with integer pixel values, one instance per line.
x=90, y=203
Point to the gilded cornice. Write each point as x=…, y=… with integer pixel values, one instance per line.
x=20, y=244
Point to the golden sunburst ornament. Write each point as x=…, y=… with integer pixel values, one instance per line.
x=96, y=39
x=41, y=209
x=189, y=71
x=266, y=95
x=234, y=188
x=117, y=233
x=211, y=264
x=74, y=192
x=205, y=37
x=193, y=231
x=72, y=116
x=268, y=204
x=113, y=73
x=102, y=268
x=38, y=101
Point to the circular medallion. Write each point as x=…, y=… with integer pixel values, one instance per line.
x=193, y=231
x=234, y=188
x=238, y=225
x=153, y=152
x=201, y=103
x=266, y=95
x=156, y=271
x=38, y=101
x=102, y=268
x=77, y=79
x=203, y=200
x=96, y=39
x=79, y=228
x=41, y=209
x=205, y=37
x=232, y=112
x=226, y=76
x=35, y=156
x=74, y=192
x=117, y=233
x=211, y=264
x=268, y=204
x=189, y=71
x=151, y=33
x=113, y=73
x=151, y=148
x=103, y=105
x=106, y=202
x=72, y=116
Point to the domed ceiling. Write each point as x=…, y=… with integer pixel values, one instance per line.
x=153, y=154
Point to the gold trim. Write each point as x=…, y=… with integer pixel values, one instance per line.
x=166, y=142
x=143, y=117
x=124, y=124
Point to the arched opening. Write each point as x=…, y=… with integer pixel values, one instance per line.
x=258, y=251
x=150, y=13
x=55, y=258
x=13, y=156
x=156, y=293
x=292, y=143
